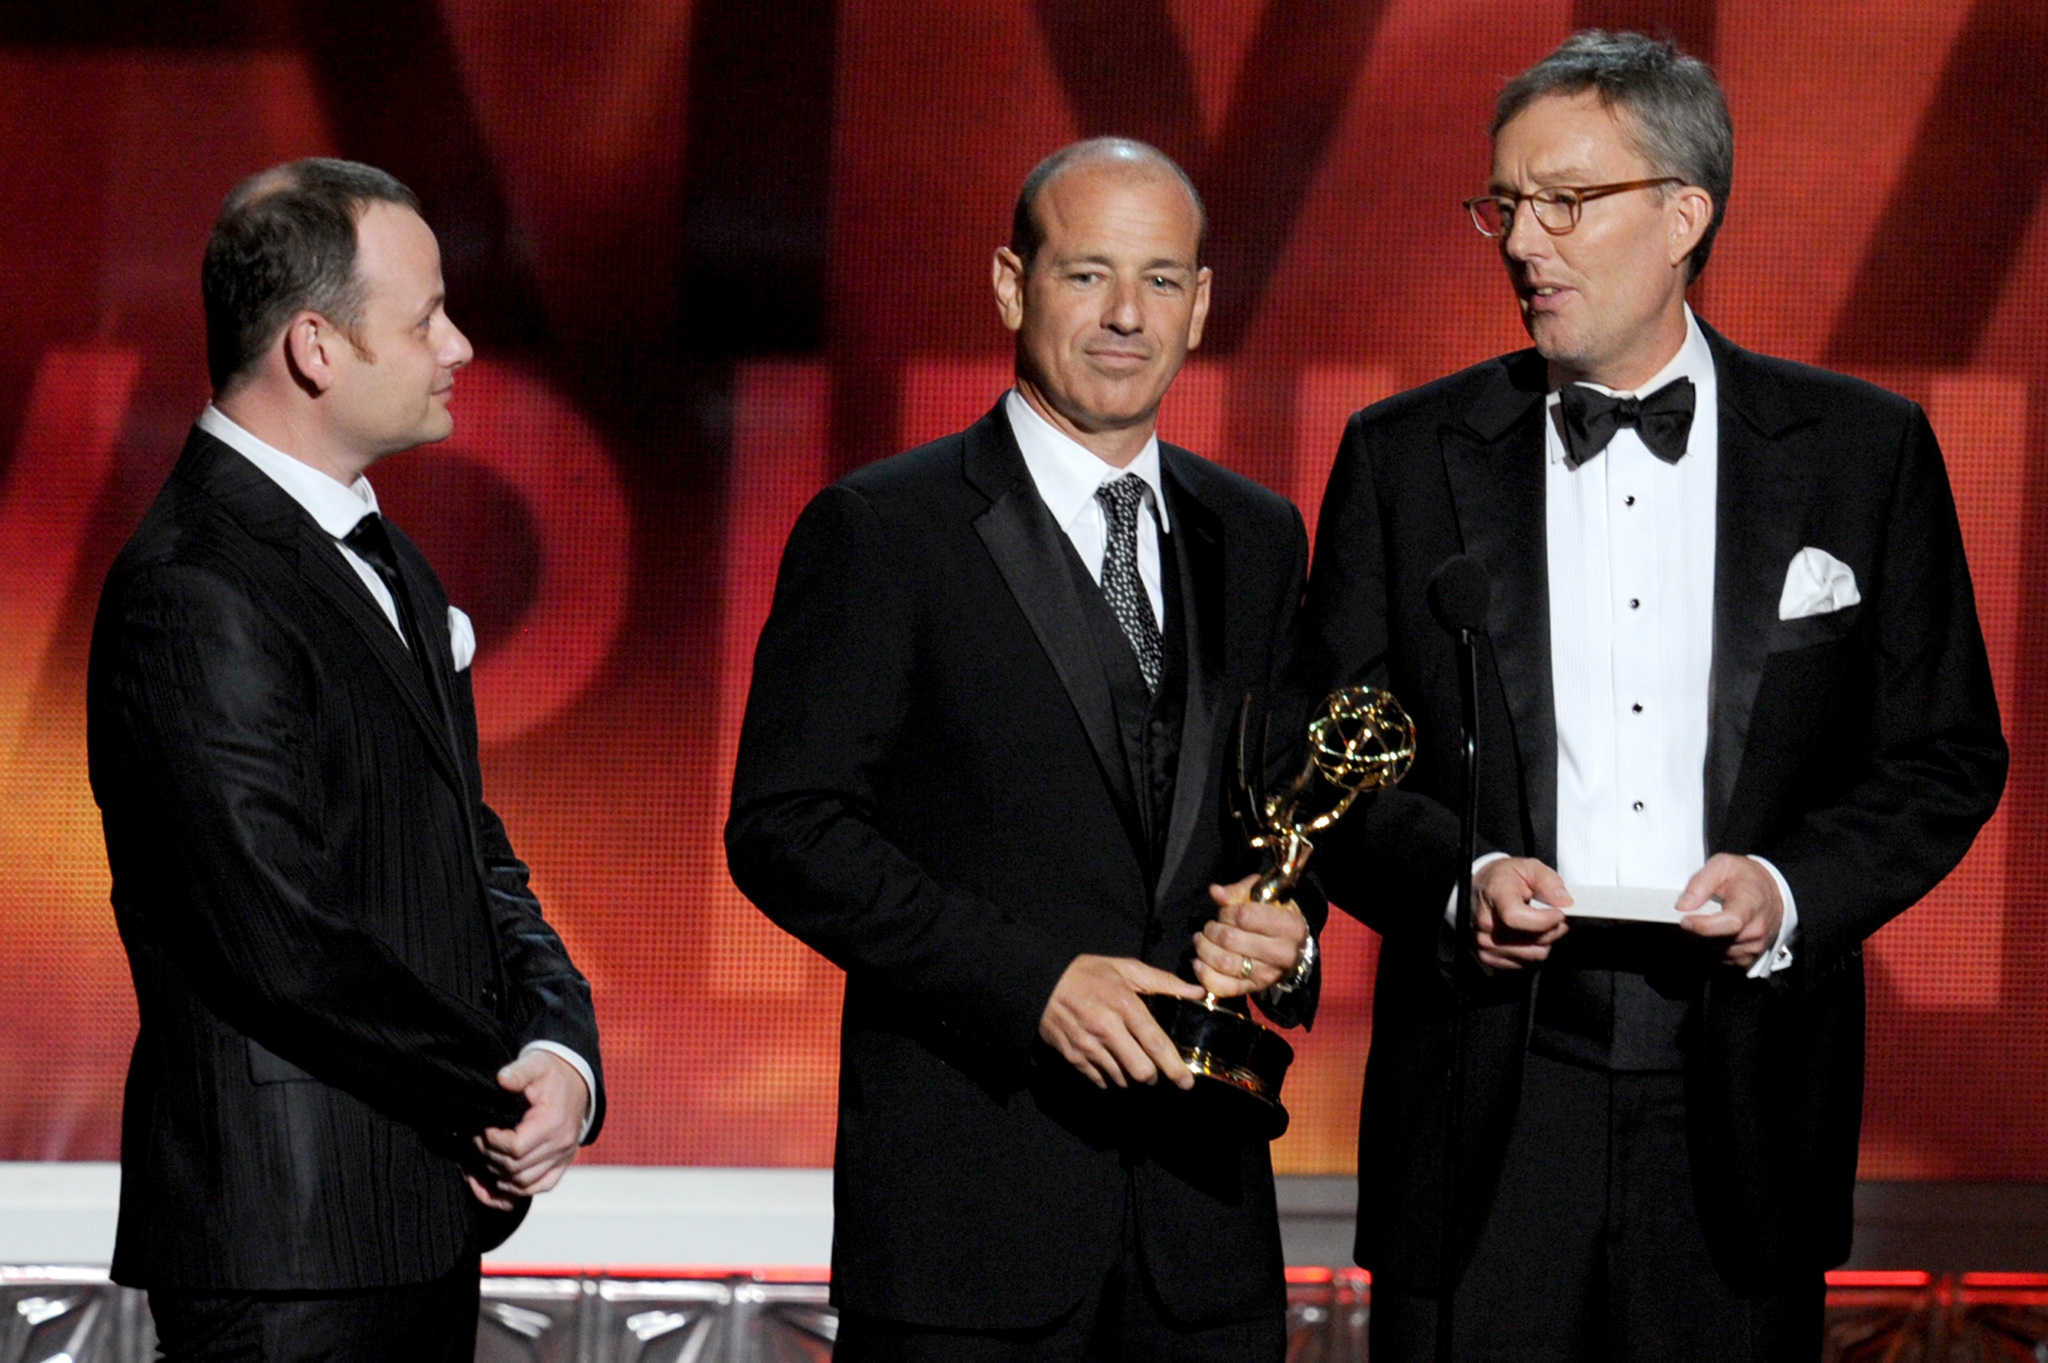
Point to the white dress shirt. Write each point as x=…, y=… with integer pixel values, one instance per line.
x=1067, y=473
x=336, y=507
x=1631, y=546
x=1631, y=557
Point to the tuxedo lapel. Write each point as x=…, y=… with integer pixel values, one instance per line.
x=1030, y=553
x=1765, y=482
x=430, y=613
x=329, y=576
x=1198, y=544
x=1494, y=462
x=437, y=661
x=269, y=514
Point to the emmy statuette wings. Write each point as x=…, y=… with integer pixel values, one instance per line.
x=1360, y=740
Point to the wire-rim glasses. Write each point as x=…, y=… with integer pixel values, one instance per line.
x=1556, y=206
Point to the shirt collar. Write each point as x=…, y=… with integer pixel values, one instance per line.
x=1067, y=472
x=1694, y=360
x=334, y=507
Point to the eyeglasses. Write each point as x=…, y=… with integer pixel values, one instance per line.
x=1556, y=207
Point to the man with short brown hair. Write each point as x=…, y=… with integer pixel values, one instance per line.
x=362, y=1049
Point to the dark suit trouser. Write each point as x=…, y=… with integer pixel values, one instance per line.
x=1121, y=1321
x=419, y=1323
x=1592, y=1250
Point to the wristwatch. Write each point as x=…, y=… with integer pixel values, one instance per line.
x=1294, y=979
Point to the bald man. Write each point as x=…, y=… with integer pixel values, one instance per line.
x=982, y=771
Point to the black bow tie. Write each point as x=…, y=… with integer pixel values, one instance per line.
x=1591, y=418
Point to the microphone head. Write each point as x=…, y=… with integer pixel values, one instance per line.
x=1459, y=593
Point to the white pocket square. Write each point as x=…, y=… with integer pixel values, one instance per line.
x=1816, y=584
x=461, y=637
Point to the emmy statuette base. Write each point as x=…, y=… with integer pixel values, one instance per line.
x=1239, y=1063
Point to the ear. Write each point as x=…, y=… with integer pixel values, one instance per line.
x=1202, y=278
x=1006, y=272
x=1691, y=212
x=311, y=346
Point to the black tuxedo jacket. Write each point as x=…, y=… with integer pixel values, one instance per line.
x=1859, y=751
x=932, y=792
x=333, y=945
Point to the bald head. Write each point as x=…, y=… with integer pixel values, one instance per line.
x=1105, y=290
x=1117, y=156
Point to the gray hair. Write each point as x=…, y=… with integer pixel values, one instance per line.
x=1678, y=118
x=1027, y=234
x=285, y=242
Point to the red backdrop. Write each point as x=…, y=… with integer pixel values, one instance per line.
x=714, y=253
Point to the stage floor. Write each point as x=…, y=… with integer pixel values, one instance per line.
x=564, y=1314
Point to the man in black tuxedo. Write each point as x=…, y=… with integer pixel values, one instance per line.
x=362, y=1049
x=1732, y=663
x=982, y=771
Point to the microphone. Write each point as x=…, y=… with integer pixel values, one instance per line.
x=1459, y=592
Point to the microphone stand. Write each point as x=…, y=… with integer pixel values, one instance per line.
x=1468, y=837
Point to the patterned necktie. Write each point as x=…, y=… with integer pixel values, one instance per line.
x=1591, y=418
x=1120, y=582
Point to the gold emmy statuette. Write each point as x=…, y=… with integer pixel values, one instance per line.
x=1361, y=740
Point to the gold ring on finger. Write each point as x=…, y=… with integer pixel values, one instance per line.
x=1244, y=967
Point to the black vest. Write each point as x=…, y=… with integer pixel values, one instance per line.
x=1618, y=996
x=1149, y=724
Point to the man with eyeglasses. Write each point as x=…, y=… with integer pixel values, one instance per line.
x=1731, y=678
